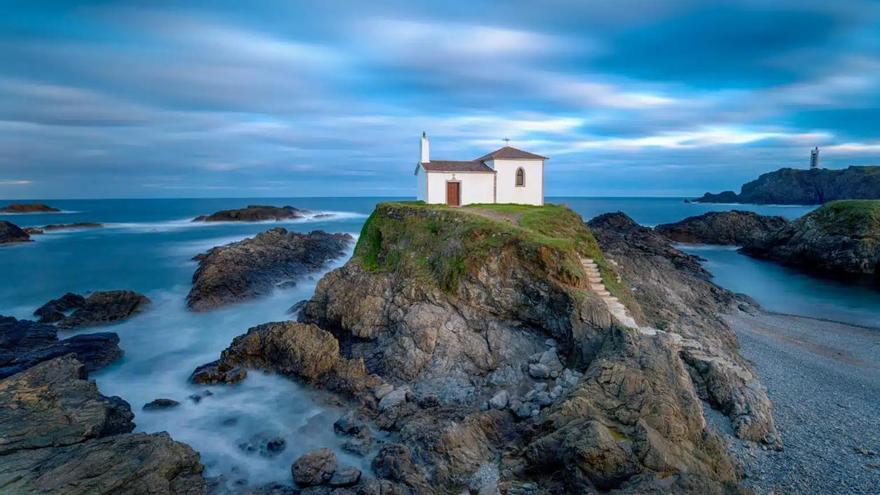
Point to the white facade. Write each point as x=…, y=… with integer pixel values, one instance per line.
x=507, y=175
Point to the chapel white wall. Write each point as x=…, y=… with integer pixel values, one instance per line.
x=475, y=187
x=422, y=184
x=508, y=192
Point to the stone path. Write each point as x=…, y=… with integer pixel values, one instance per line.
x=617, y=309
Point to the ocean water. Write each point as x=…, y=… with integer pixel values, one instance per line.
x=147, y=246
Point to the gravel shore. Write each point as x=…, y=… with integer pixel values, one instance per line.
x=824, y=381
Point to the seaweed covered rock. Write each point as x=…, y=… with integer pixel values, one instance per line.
x=841, y=238
x=254, y=267
x=722, y=227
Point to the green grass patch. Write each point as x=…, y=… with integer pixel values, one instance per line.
x=853, y=217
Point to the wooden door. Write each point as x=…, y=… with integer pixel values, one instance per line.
x=453, y=193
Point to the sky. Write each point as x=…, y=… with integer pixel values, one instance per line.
x=114, y=99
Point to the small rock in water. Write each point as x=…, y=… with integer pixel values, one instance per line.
x=345, y=477
x=160, y=404
x=265, y=444
x=499, y=400
x=349, y=424
x=315, y=467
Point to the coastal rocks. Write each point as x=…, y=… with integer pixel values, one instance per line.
x=160, y=404
x=360, y=439
x=99, y=308
x=25, y=343
x=265, y=444
x=28, y=208
x=11, y=233
x=293, y=349
x=253, y=213
x=727, y=227
x=788, y=186
x=62, y=226
x=254, y=267
x=59, y=435
x=841, y=238
x=315, y=467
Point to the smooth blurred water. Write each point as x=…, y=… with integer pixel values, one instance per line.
x=147, y=246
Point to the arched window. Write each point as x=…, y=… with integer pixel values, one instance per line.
x=520, y=177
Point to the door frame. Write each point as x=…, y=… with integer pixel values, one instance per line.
x=454, y=181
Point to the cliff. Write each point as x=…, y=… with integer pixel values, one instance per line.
x=841, y=238
x=790, y=186
x=481, y=342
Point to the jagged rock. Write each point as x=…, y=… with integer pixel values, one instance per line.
x=345, y=477
x=28, y=208
x=99, y=308
x=255, y=266
x=253, y=213
x=841, y=238
x=293, y=349
x=788, y=186
x=26, y=343
x=160, y=404
x=10, y=233
x=722, y=227
x=59, y=435
x=315, y=467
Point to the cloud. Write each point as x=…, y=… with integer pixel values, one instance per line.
x=8, y=182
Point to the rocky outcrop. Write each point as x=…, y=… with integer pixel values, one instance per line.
x=25, y=343
x=99, y=308
x=62, y=226
x=840, y=239
x=253, y=213
x=789, y=186
x=676, y=295
x=256, y=266
x=722, y=227
x=10, y=233
x=59, y=435
x=28, y=208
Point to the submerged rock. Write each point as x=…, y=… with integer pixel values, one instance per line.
x=11, y=233
x=99, y=308
x=28, y=208
x=253, y=213
x=722, y=227
x=160, y=404
x=254, y=267
x=26, y=343
x=264, y=444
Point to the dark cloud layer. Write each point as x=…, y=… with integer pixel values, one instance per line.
x=109, y=99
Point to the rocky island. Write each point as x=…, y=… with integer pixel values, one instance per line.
x=28, y=208
x=62, y=226
x=506, y=348
x=841, y=238
x=254, y=267
x=11, y=233
x=789, y=186
x=253, y=213
x=722, y=227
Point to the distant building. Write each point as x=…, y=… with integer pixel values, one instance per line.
x=814, y=158
x=506, y=175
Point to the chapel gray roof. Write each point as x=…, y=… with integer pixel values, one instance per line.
x=510, y=153
x=457, y=166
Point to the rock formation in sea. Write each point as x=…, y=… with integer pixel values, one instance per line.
x=253, y=213
x=476, y=339
x=789, y=186
x=26, y=343
x=62, y=226
x=10, y=233
x=842, y=238
x=254, y=267
x=28, y=208
x=99, y=308
x=722, y=227
x=59, y=435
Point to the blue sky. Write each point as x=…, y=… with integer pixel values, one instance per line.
x=229, y=98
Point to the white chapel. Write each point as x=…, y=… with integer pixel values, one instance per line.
x=506, y=175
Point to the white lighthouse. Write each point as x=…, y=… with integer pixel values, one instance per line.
x=814, y=158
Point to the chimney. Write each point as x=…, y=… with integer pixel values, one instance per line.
x=425, y=149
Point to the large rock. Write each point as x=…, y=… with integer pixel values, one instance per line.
x=315, y=467
x=256, y=266
x=59, y=435
x=10, y=233
x=99, y=308
x=253, y=213
x=841, y=238
x=789, y=186
x=25, y=343
x=722, y=227
x=28, y=208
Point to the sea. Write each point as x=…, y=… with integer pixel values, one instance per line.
x=147, y=245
